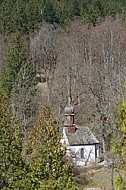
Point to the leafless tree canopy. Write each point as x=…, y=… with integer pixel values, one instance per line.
x=83, y=66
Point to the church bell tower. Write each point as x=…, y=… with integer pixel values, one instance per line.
x=69, y=118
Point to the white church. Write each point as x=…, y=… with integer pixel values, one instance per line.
x=82, y=146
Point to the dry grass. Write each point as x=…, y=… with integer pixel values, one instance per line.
x=94, y=178
x=100, y=178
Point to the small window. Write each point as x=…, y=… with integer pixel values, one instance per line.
x=82, y=153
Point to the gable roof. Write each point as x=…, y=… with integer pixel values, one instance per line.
x=82, y=136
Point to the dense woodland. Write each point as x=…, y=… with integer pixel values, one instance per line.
x=27, y=15
x=54, y=52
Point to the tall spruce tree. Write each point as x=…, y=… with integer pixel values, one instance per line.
x=119, y=148
x=16, y=57
x=13, y=170
x=18, y=80
x=6, y=7
x=19, y=21
x=46, y=154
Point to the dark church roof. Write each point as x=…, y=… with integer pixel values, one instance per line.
x=82, y=136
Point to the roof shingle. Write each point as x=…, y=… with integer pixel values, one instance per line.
x=82, y=136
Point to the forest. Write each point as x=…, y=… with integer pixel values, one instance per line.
x=55, y=52
x=27, y=15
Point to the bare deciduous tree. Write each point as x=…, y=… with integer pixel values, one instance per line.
x=44, y=54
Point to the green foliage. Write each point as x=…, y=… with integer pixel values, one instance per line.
x=122, y=119
x=120, y=183
x=44, y=168
x=23, y=94
x=119, y=147
x=5, y=15
x=13, y=170
x=18, y=80
x=46, y=153
x=63, y=10
x=15, y=58
x=49, y=13
x=18, y=16
x=27, y=16
x=92, y=15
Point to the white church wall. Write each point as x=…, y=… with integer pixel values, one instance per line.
x=84, y=154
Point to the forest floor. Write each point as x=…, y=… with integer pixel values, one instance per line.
x=96, y=177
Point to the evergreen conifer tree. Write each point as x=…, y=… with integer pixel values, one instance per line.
x=18, y=80
x=119, y=148
x=13, y=170
x=15, y=58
